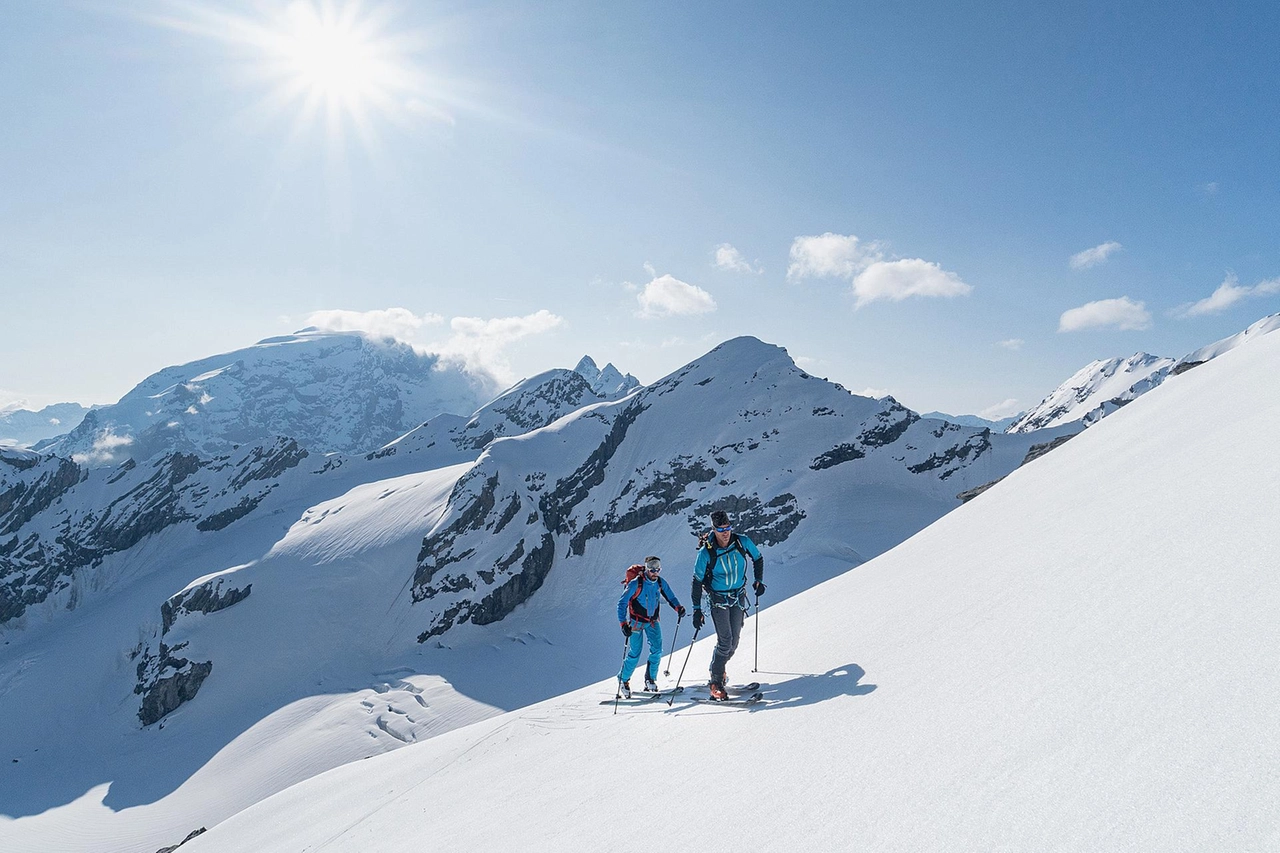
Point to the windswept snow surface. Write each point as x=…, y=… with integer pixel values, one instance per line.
x=1083, y=658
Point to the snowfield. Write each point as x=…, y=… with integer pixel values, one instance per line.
x=1083, y=658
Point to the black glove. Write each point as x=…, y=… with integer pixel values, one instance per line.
x=758, y=586
x=626, y=629
x=698, y=620
x=680, y=611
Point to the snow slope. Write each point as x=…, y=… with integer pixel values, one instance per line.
x=1083, y=658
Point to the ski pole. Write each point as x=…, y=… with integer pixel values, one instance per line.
x=676, y=633
x=686, y=663
x=626, y=647
x=756, y=668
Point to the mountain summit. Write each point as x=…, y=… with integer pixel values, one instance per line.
x=329, y=391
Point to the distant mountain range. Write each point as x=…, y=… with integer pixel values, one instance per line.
x=23, y=427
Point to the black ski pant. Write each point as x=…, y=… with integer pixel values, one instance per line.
x=728, y=622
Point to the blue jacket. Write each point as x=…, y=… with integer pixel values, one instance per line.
x=730, y=571
x=645, y=607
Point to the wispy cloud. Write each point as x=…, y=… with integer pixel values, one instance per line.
x=399, y=323
x=1122, y=313
x=1208, y=189
x=898, y=280
x=1014, y=344
x=480, y=344
x=873, y=278
x=1228, y=293
x=667, y=296
x=730, y=259
x=103, y=449
x=1093, y=257
x=476, y=344
x=1006, y=409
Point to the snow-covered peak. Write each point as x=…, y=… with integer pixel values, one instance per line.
x=331, y=391
x=607, y=384
x=1096, y=390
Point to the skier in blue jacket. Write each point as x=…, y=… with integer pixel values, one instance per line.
x=639, y=604
x=721, y=569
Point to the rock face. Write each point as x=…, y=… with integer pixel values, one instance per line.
x=164, y=680
x=741, y=429
x=327, y=391
x=58, y=519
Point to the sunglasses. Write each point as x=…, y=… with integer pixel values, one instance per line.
x=724, y=529
x=653, y=571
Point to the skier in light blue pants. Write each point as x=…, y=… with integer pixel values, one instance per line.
x=639, y=606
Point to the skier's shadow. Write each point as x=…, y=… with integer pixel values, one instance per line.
x=807, y=688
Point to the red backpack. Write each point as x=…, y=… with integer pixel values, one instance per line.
x=633, y=609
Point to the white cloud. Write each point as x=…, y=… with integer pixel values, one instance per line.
x=830, y=256
x=729, y=258
x=1000, y=410
x=1209, y=189
x=668, y=296
x=399, y=323
x=104, y=448
x=480, y=344
x=1014, y=344
x=845, y=256
x=1229, y=293
x=1093, y=257
x=874, y=393
x=898, y=280
x=1122, y=313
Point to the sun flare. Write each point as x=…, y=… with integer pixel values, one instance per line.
x=334, y=55
x=339, y=64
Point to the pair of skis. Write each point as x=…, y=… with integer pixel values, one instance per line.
x=746, y=694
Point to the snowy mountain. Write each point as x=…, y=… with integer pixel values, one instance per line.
x=400, y=599
x=23, y=427
x=609, y=383
x=328, y=391
x=1081, y=659
x=1098, y=389
x=67, y=518
x=1095, y=391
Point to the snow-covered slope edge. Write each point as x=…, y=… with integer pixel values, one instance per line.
x=1102, y=387
x=1081, y=659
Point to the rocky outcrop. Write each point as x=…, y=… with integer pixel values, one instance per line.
x=165, y=681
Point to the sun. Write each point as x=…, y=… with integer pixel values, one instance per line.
x=335, y=57
x=342, y=65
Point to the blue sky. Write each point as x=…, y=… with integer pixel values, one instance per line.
x=959, y=204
